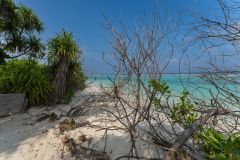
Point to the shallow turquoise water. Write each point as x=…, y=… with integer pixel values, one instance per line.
x=177, y=83
x=196, y=86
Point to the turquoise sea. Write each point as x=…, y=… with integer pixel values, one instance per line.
x=177, y=83
x=193, y=83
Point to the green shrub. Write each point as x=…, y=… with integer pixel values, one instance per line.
x=158, y=89
x=25, y=76
x=216, y=146
x=159, y=86
x=184, y=113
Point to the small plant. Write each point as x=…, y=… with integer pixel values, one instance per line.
x=25, y=76
x=184, y=113
x=159, y=86
x=158, y=89
x=216, y=146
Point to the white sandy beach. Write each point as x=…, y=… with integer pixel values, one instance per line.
x=22, y=138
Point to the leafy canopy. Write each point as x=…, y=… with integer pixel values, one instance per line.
x=19, y=29
x=63, y=45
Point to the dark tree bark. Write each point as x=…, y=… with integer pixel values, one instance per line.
x=60, y=79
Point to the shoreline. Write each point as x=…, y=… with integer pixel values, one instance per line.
x=24, y=138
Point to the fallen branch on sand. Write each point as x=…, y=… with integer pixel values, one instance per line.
x=188, y=132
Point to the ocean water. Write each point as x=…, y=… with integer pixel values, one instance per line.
x=198, y=88
x=177, y=83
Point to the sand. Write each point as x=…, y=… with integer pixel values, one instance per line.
x=22, y=138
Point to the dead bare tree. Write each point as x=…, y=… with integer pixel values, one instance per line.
x=137, y=60
x=136, y=55
x=219, y=38
x=214, y=34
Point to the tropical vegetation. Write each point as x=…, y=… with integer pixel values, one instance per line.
x=19, y=30
x=21, y=51
x=218, y=146
x=23, y=71
x=63, y=56
x=215, y=144
x=24, y=76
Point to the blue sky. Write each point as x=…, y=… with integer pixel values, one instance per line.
x=85, y=19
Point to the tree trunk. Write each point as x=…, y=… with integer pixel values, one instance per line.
x=60, y=80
